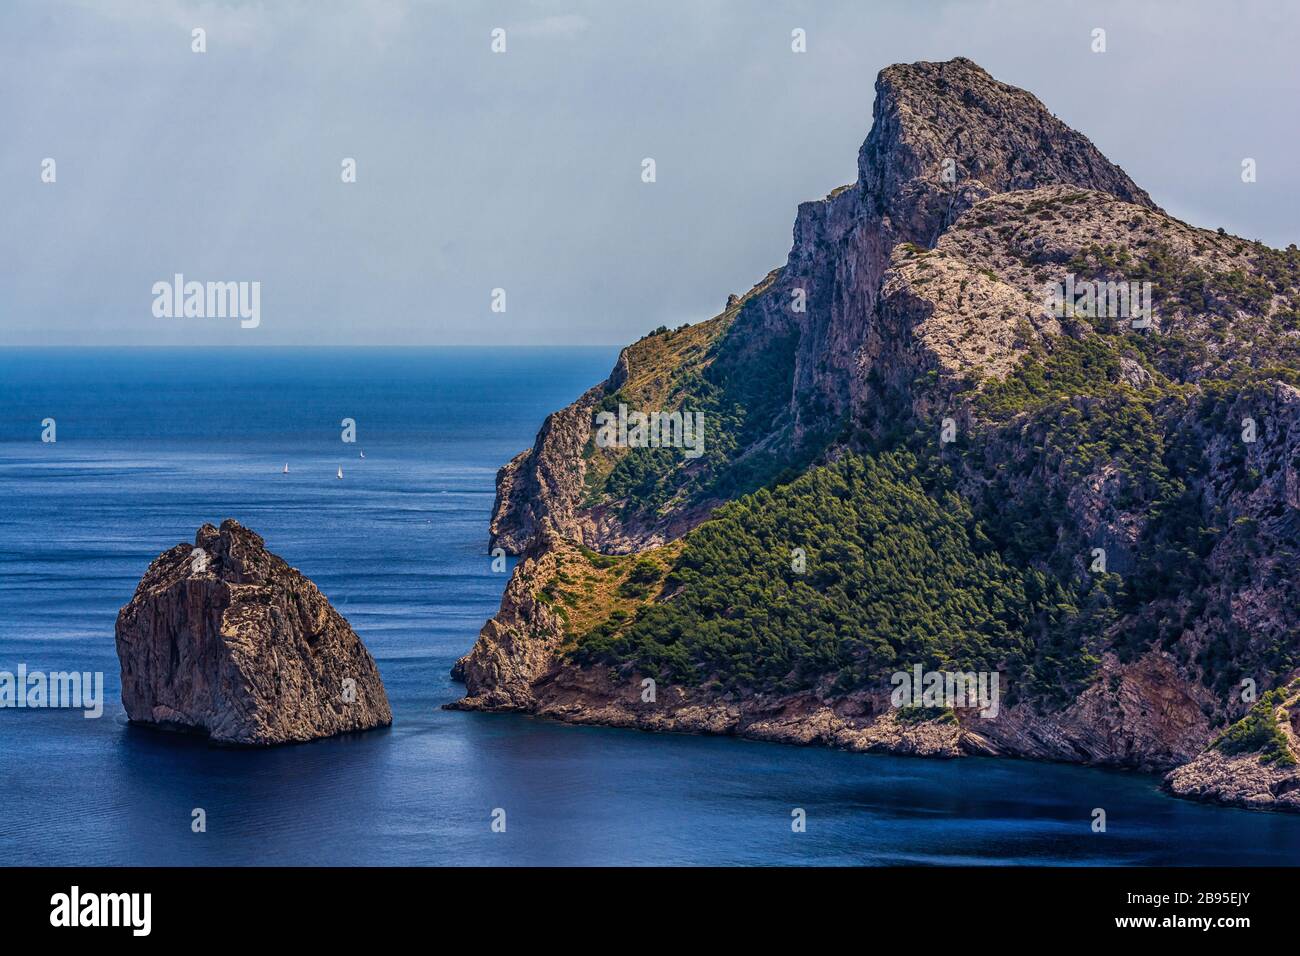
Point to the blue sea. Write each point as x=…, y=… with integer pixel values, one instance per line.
x=152, y=443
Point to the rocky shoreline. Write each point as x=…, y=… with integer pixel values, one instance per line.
x=595, y=698
x=1242, y=781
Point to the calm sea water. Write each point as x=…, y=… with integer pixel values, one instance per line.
x=153, y=443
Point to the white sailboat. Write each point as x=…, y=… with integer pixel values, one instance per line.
x=363, y=454
x=340, y=471
x=286, y=469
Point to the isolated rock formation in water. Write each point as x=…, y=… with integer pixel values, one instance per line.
x=223, y=638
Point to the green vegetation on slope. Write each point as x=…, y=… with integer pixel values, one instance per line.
x=1259, y=732
x=744, y=393
x=895, y=575
x=740, y=403
x=902, y=570
x=976, y=555
x=1071, y=417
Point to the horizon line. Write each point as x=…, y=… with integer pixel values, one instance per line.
x=450, y=345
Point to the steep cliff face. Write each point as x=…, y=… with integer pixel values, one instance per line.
x=944, y=136
x=518, y=646
x=1096, y=501
x=224, y=639
x=545, y=482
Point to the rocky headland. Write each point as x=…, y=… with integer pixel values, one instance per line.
x=913, y=459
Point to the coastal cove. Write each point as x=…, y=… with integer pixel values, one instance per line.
x=399, y=547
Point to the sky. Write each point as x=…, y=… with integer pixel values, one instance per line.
x=522, y=170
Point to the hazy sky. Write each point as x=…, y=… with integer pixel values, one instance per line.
x=522, y=170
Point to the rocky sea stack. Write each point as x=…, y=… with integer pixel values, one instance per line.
x=225, y=639
x=927, y=450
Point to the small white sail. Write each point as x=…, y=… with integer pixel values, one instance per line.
x=286, y=468
x=340, y=471
x=363, y=454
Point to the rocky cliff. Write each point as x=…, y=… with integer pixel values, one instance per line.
x=915, y=457
x=225, y=639
x=1254, y=763
x=944, y=136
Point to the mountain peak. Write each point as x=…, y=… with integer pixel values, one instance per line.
x=945, y=135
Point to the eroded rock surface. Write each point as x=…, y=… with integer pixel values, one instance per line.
x=1241, y=781
x=223, y=638
x=997, y=138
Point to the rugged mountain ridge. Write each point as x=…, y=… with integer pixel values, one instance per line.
x=913, y=301
x=997, y=137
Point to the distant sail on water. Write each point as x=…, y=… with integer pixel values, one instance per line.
x=340, y=471
x=363, y=454
x=286, y=468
